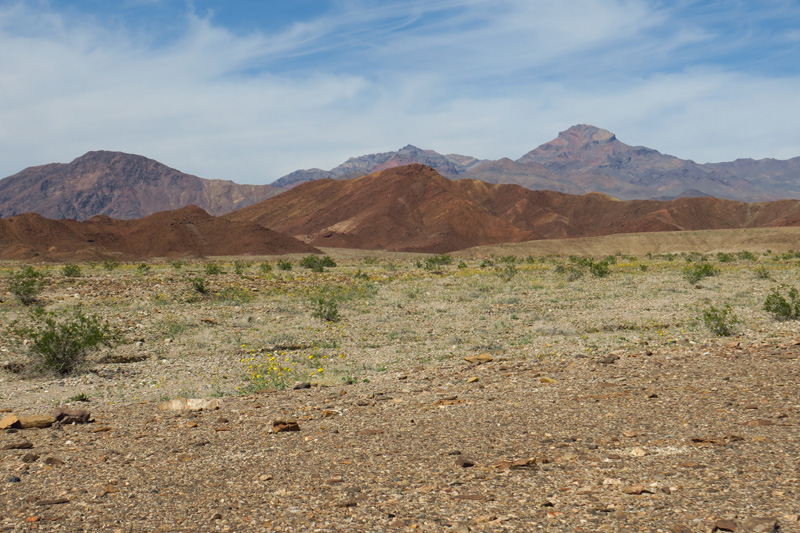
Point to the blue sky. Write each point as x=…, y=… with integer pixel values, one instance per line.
x=252, y=90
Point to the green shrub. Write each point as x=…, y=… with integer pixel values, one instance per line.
x=723, y=257
x=199, y=286
x=326, y=308
x=26, y=284
x=747, y=256
x=283, y=265
x=110, y=264
x=695, y=273
x=317, y=264
x=762, y=272
x=143, y=269
x=71, y=270
x=783, y=308
x=240, y=265
x=436, y=261
x=177, y=264
x=599, y=269
x=265, y=268
x=461, y=265
x=212, y=269
x=62, y=345
x=506, y=272
x=721, y=322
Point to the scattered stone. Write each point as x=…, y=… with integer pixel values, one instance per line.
x=547, y=380
x=637, y=489
x=301, y=385
x=464, y=462
x=328, y=413
x=57, y=501
x=30, y=458
x=369, y=432
x=473, y=380
x=190, y=404
x=517, y=464
x=725, y=525
x=280, y=425
x=9, y=421
x=479, y=359
x=72, y=416
x=33, y=519
x=53, y=461
x=470, y=497
x=609, y=359
x=36, y=421
x=14, y=479
x=638, y=452
x=758, y=423
x=20, y=445
x=760, y=525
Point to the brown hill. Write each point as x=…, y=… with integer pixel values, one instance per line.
x=118, y=185
x=414, y=208
x=186, y=232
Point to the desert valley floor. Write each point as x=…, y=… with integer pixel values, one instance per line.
x=559, y=386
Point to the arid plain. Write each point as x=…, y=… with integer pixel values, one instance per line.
x=516, y=387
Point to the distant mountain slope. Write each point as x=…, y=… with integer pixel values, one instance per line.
x=586, y=159
x=118, y=185
x=186, y=232
x=449, y=166
x=414, y=208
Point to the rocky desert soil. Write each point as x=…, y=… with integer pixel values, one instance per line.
x=487, y=394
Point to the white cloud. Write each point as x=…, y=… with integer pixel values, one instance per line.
x=489, y=79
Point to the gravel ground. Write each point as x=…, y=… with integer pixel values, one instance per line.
x=597, y=404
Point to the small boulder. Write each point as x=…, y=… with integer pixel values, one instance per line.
x=72, y=416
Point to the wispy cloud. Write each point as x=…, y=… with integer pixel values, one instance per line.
x=488, y=78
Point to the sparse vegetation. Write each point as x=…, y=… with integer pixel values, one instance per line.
x=282, y=264
x=212, y=269
x=60, y=343
x=26, y=284
x=316, y=263
x=721, y=321
x=71, y=270
x=783, y=307
x=695, y=273
x=143, y=269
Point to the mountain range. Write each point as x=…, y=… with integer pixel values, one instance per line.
x=581, y=160
x=586, y=159
x=118, y=185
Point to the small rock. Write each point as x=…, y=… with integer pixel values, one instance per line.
x=638, y=452
x=14, y=479
x=72, y=416
x=760, y=525
x=464, y=462
x=369, y=432
x=301, y=385
x=36, y=421
x=547, y=380
x=758, y=423
x=190, y=404
x=479, y=359
x=473, y=380
x=725, y=525
x=637, y=489
x=20, y=445
x=33, y=519
x=280, y=425
x=9, y=421
x=53, y=461
x=30, y=458
x=57, y=501
x=609, y=359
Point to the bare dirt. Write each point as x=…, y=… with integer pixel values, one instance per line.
x=487, y=396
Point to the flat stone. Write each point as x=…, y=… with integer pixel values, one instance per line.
x=36, y=421
x=301, y=385
x=464, y=462
x=9, y=421
x=20, y=445
x=479, y=359
x=281, y=425
x=759, y=525
x=72, y=416
x=30, y=458
x=725, y=525
x=190, y=404
x=637, y=489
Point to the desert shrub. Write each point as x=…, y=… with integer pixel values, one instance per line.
x=370, y=261
x=143, y=269
x=212, y=269
x=695, y=273
x=61, y=344
x=720, y=321
x=762, y=272
x=326, y=308
x=26, y=284
x=783, y=307
x=283, y=265
x=237, y=295
x=110, y=264
x=317, y=264
x=643, y=268
x=265, y=268
x=240, y=265
x=361, y=275
x=599, y=269
x=436, y=261
x=177, y=264
x=199, y=286
x=461, y=265
x=71, y=270
x=487, y=263
x=747, y=256
x=506, y=272
x=723, y=257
